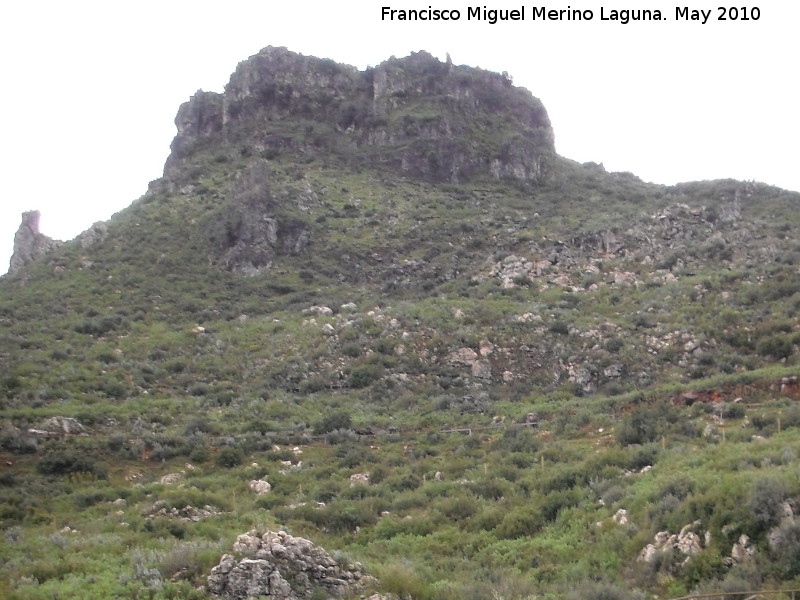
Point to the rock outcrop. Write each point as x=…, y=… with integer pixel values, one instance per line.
x=249, y=230
x=188, y=513
x=277, y=566
x=65, y=425
x=29, y=243
x=260, y=487
x=686, y=543
x=96, y=233
x=416, y=114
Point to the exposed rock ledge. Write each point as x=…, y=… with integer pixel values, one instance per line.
x=277, y=566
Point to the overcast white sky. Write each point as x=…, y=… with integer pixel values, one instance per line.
x=89, y=90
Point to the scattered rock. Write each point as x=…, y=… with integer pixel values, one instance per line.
x=260, y=487
x=620, y=517
x=187, y=513
x=359, y=479
x=171, y=478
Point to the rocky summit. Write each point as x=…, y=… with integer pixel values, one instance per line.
x=374, y=311
x=418, y=115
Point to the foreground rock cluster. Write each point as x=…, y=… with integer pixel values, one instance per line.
x=277, y=566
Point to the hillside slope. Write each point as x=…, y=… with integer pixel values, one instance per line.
x=475, y=346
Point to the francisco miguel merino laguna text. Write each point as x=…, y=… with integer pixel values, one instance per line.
x=494, y=15
x=542, y=13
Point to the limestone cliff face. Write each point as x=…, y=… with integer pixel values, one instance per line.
x=196, y=120
x=29, y=243
x=418, y=115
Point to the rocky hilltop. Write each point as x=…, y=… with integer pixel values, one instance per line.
x=416, y=114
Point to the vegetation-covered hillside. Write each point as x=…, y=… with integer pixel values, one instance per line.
x=477, y=368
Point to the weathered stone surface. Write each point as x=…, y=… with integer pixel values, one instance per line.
x=324, y=311
x=277, y=566
x=187, y=513
x=359, y=479
x=171, y=478
x=96, y=233
x=686, y=542
x=29, y=243
x=66, y=425
x=250, y=232
x=481, y=369
x=260, y=487
x=463, y=357
x=196, y=120
x=279, y=85
x=742, y=549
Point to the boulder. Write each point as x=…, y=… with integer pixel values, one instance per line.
x=260, y=487
x=742, y=550
x=686, y=542
x=66, y=425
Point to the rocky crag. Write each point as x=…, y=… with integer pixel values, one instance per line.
x=426, y=118
x=29, y=243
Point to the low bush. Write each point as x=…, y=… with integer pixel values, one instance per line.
x=65, y=463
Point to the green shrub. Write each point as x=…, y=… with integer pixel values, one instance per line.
x=785, y=546
x=522, y=521
x=17, y=441
x=458, y=508
x=57, y=463
x=333, y=422
x=776, y=347
x=734, y=410
x=646, y=424
x=405, y=582
x=765, y=501
x=364, y=375
x=229, y=457
x=600, y=590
